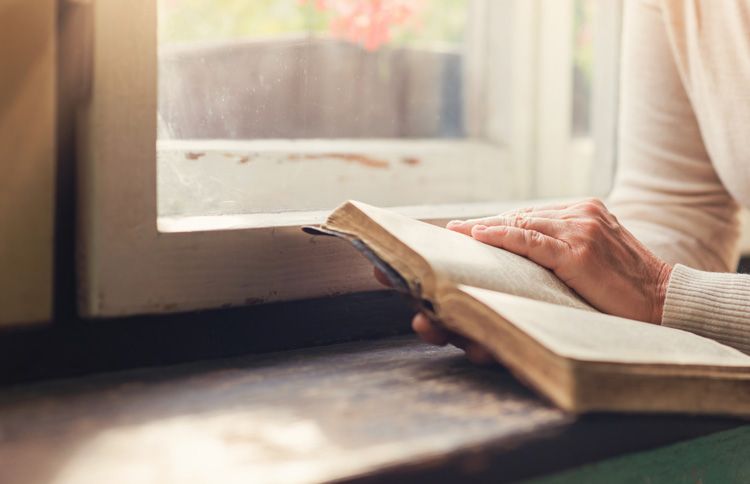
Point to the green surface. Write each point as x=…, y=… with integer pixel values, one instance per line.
x=720, y=458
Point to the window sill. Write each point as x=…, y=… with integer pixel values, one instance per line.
x=438, y=213
x=392, y=409
x=221, y=177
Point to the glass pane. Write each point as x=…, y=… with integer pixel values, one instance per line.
x=583, y=66
x=289, y=69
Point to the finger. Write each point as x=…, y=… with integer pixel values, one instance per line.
x=475, y=352
x=551, y=227
x=435, y=335
x=428, y=331
x=478, y=355
x=381, y=277
x=506, y=218
x=553, y=214
x=552, y=206
x=465, y=226
x=542, y=249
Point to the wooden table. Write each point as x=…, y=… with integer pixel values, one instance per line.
x=390, y=409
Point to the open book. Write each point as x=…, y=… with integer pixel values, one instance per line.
x=546, y=335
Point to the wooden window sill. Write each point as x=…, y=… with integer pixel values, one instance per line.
x=391, y=409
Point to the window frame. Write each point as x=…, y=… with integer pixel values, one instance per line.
x=129, y=264
x=27, y=135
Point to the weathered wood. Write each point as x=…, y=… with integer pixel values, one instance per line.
x=127, y=266
x=199, y=178
x=73, y=347
x=304, y=416
x=27, y=163
x=393, y=408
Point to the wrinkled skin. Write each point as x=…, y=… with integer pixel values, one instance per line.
x=585, y=246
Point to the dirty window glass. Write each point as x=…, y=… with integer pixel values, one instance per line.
x=583, y=66
x=291, y=69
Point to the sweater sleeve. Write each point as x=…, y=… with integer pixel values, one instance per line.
x=666, y=190
x=711, y=304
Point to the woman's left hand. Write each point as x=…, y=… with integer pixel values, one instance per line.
x=588, y=249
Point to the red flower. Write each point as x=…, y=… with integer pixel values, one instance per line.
x=369, y=23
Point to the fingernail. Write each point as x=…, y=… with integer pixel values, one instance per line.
x=455, y=223
x=480, y=228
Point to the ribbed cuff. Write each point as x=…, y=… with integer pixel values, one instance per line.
x=711, y=304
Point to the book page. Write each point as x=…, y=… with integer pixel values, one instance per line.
x=597, y=337
x=464, y=260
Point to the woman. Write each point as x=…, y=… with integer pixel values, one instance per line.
x=684, y=169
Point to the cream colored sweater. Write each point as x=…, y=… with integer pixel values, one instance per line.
x=684, y=154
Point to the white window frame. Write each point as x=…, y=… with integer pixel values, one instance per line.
x=129, y=264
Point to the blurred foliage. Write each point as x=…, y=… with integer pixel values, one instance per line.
x=441, y=22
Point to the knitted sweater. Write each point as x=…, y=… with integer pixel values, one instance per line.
x=684, y=154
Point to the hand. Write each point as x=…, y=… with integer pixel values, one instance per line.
x=588, y=249
x=432, y=333
x=585, y=246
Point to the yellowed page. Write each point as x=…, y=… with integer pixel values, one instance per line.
x=463, y=260
x=597, y=337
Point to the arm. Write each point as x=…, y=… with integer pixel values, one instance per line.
x=666, y=190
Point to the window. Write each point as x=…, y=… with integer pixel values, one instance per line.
x=215, y=128
x=302, y=69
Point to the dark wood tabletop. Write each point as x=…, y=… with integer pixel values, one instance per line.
x=392, y=409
